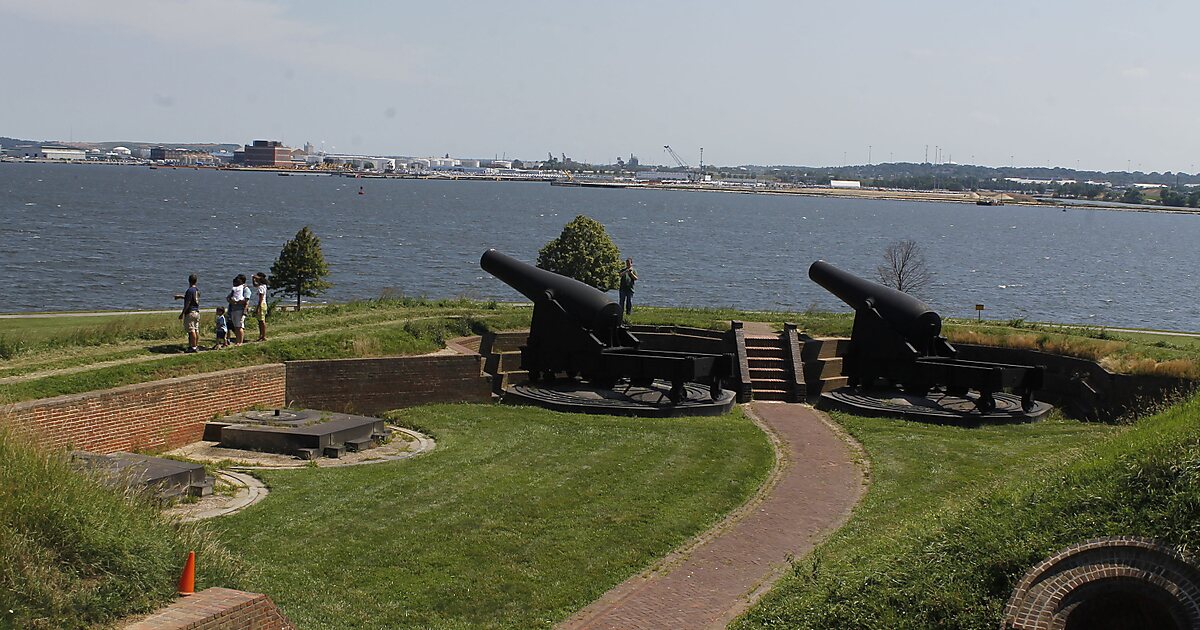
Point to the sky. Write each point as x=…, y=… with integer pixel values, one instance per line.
x=1092, y=85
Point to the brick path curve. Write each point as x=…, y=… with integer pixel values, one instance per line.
x=815, y=485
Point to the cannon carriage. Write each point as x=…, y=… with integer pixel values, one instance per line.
x=897, y=338
x=577, y=331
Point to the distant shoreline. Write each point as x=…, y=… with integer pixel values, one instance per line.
x=939, y=196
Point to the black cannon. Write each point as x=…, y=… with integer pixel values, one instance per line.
x=577, y=330
x=898, y=338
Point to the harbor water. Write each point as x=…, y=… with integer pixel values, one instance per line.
x=84, y=237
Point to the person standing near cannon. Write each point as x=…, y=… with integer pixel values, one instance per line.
x=628, y=278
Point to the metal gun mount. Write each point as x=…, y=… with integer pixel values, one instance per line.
x=898, y=338
x=577, y=331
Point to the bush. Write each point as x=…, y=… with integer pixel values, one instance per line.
x=584, y=252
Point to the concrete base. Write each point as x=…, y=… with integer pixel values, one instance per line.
x=166, y=477
x=301, y=433
x=623, y=400
x=935, y=407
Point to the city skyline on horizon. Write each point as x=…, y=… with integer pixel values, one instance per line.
x=475, y=80
x=643, y=162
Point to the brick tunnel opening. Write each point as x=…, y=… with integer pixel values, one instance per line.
x=1125, y=606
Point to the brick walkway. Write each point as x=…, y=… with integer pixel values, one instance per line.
x=815, y=486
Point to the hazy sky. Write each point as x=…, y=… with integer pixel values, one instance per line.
x=1090, y=84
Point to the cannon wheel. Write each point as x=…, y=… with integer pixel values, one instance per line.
x=985, y=404
x=1027, y=402
x=714, y=390
x=676, y=393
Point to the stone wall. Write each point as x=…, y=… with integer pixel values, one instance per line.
x=370, y=386
x=155, y=416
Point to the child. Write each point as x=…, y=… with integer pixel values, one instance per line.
x=222, y=329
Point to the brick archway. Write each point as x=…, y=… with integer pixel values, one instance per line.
x=1114, y=583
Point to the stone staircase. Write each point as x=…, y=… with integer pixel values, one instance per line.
x=770, y=368
x=823, y=364
x=502, y=358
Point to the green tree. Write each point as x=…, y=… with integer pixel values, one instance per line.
x=585, y=252
x=300, y=268
x=1132, y=195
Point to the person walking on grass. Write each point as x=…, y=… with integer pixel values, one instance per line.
x=190, y=315
x=260, y=304
x=628, y=278
x=238, y=297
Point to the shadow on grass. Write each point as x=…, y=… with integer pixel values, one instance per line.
x=167, y=348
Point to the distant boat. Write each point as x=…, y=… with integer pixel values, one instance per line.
x=989, y=201
x=360, y=191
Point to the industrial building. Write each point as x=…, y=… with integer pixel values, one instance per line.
x=264, y=153
x=179, y=156
x=58, y=152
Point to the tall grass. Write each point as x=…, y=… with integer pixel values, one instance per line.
x=75, y=551
x=959, y=570
x=1093, y=344
x=11, y=346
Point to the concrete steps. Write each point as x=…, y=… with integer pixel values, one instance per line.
x=769, y=370
x=502, y=358
x=823, y=364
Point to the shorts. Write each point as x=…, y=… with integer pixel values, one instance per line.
x=260, y=314
x=237, y=319
x=221, y=334
x=191, y=322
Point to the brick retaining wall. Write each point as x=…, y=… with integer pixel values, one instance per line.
x=371, y=386
x=217, y=609
x=155, y=416
x=167, y=414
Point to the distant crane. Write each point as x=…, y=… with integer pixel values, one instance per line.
x=684, y=165
x=675, y=156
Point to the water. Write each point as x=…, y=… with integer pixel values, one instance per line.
x=76, y=237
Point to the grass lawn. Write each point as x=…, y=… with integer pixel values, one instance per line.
x=919, y=472
x=519, y=517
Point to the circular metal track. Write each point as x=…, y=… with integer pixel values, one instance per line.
x=937, y=406
x=623, y=400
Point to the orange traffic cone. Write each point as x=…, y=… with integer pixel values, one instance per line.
x=187, y=581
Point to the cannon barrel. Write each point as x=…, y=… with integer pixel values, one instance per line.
x=590, y=307
x=904, y=313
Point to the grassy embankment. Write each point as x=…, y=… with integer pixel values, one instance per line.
x=75, y=552
x=490, y=529
x=62, y=355
x=68, y=355
x=954, y=565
